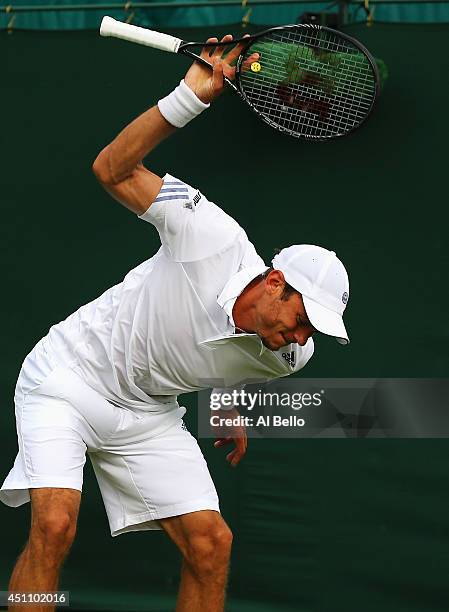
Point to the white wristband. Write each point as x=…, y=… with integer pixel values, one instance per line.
x=181, y=105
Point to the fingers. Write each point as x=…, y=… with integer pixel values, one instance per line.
x=234, y=457
x=208, y=51
x=254, y=57
x=218, y=52
x=239, y=451
x=231, y=458
x=217, y=78
x=222, y=442
x=235, y=51
x=224, y=60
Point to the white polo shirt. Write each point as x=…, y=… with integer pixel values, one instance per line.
x=167, y=328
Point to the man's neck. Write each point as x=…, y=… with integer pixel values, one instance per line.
x=244, y=311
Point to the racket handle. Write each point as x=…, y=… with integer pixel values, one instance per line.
x=141, y=36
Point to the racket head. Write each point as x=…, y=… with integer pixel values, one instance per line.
x=311, y=82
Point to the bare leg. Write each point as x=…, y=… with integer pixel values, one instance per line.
x=189, y=596
x=205, y=541
x=54, y=514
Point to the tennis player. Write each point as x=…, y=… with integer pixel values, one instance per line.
x=105, y=381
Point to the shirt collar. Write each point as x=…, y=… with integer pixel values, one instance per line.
x=235, y=286
x=231, y=291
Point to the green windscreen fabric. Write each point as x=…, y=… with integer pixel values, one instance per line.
x=320, y=525
x=197, y=16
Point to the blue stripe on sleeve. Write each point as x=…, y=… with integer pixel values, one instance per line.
x=168, y=197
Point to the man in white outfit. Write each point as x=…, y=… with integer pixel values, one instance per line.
x=105, y=381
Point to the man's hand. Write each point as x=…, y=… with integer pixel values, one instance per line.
x=230, y=433
x=207, y=84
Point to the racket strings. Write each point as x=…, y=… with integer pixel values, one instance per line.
x=309, y=82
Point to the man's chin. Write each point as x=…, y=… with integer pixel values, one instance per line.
x=273, y=346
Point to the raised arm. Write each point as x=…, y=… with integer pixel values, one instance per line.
x=119, y=166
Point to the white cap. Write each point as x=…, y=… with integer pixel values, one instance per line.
x=323, y=282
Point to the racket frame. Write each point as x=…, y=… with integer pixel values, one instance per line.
x=183, y=49
x=166, y=42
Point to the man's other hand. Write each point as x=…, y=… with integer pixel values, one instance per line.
x=231, y=430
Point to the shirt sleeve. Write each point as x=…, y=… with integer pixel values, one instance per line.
x=189, y=225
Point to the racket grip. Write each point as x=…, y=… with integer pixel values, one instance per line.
x=141, y=36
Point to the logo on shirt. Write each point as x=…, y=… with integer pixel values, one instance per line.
x=289, y=358
x=194, y=201
x=345, y=297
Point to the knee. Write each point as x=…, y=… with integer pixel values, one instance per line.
x=53, y=534
x=209, y=551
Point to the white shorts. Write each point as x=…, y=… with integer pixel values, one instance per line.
x=147, y=464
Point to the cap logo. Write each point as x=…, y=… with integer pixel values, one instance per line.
x=345, y=297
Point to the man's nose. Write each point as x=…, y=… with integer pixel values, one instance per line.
x=302, y=335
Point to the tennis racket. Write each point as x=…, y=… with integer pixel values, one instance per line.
x=309, y=82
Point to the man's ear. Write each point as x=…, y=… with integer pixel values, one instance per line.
x=275, y=282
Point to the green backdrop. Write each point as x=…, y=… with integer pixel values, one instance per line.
x=322, y=525
x=395, y=11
